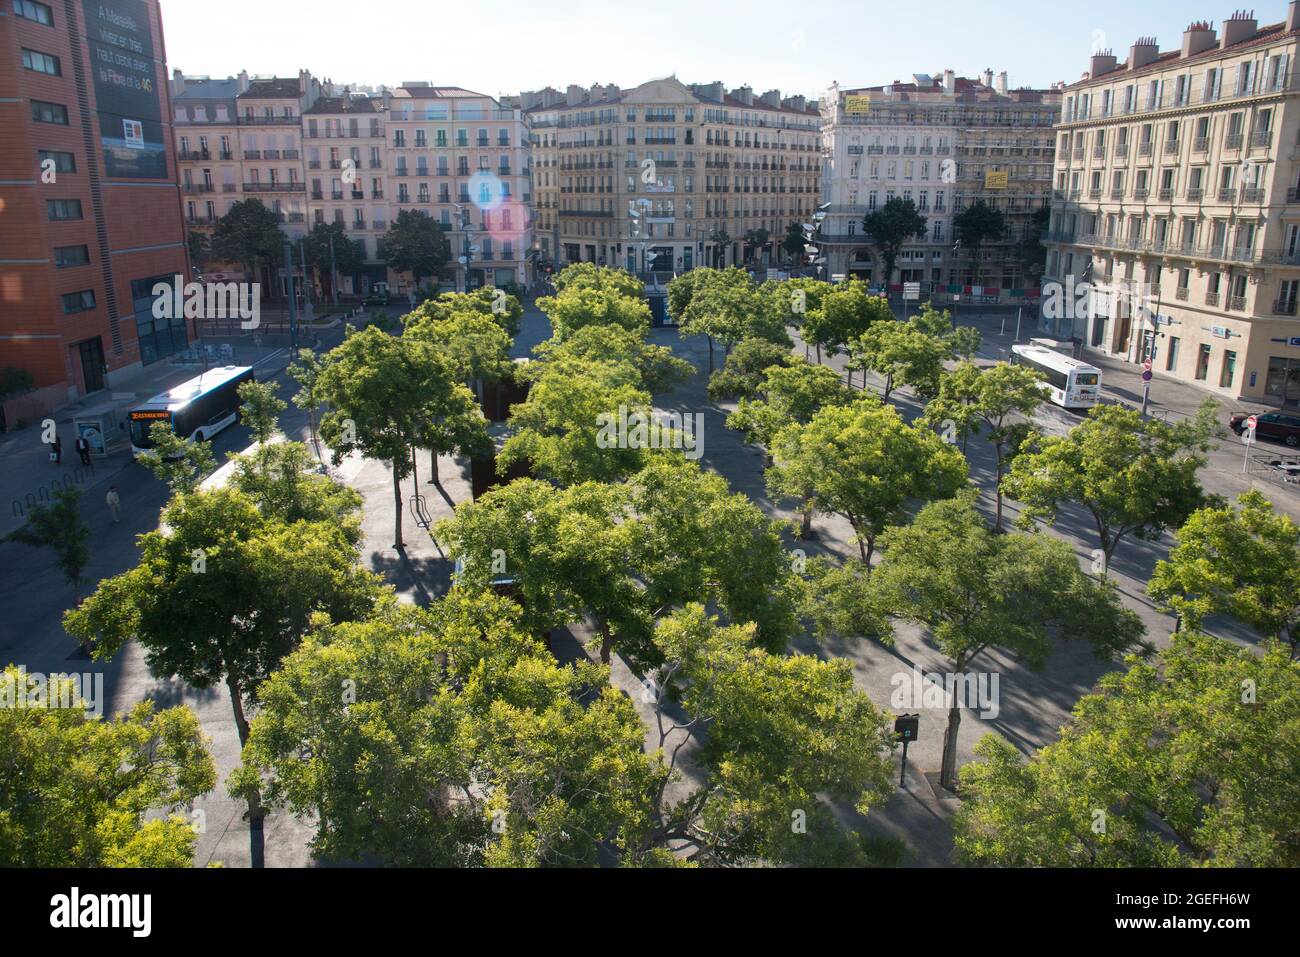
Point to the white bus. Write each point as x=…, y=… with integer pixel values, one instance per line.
x=1069, y=383
x=196, y=410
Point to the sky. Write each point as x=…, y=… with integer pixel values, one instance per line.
x=504, y=46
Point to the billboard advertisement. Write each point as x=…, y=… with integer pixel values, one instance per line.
x=856, y=104
x=997, y=179
x=123, y=69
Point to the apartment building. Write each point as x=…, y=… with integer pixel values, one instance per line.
x=666, y=177
x=90, y=216
x=1178, y=193
x=347, y=173
x=941, y=142
x=464, y=158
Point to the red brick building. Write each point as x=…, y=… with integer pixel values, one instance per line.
x=90, y=216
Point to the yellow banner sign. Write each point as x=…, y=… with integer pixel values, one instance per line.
x=857, y=104
x=996, y=179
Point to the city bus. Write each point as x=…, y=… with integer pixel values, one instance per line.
x=1069, y=383
x=196, y=410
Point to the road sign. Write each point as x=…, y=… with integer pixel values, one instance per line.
x=911, y=291
x=1147, y=375
x=1252, y=423
x=907, y=726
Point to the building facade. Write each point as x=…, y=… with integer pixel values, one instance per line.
x=90, y=216
x=942, y=143
x=667, y=177
x=1177, y=195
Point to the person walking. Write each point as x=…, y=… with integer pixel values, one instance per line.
x=114, y=502
x=83, y=449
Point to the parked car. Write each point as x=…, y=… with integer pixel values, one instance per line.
x=1273, y=426
x=377, y=299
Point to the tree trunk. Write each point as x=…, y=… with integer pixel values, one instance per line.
x=710, y=338
x=819, y=353
x=805, y=530
x=606, y=643
x=397, y=508
x=256, y=813
x=434, y=477
x=948, y=774
x=997, y=524
x=889, y=386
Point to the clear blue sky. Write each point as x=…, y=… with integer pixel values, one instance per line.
x=503, y=46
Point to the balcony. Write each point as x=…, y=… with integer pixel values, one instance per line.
x=196, y=155
x=1252, y=194
x=336, y=195
x=252, y=154
x=270, y=154
x=200, y=220
x=1171, y=148
x=313, y=164
x=1212, y=299
x=1195, y=195
x=1146, y=149
x=230, y=187
x=198, y=188
x=1237, y=303
x=1141, y=193
x=275, y=187
x=1166, y=194
x=1098, y=152
x=1121, y=150
x=379, y=225
x=1117, y=195
x=1094, y=193
x=270, y=121
x=1232, y=141
x=317, y=195
x=1261, y=139
x=1228, y=195
x=1182, y=293
x=290, y=154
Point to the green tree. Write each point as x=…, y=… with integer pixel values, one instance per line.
x=562, y=431
x=474, y=344
x=283, y=480
x=346, y=257
x=180, y=463
x=755, y=240
x=1134, y=477
x=261, y=409
x=660, y=370
x=988, y=401
x=847, y=312
x=891, y=227
x=782, y=737
x=80, y=791
x=249, y=234
x=977, y=224
x=903, y=355
x=417, y=244
x=59, y=527
x=497, y=304
x=465, y=744
x=1243, y=562
x=794, y=242
x=618, y=283
x=741, y=376
x=726, y=307
x=388, y=396
x=222, y=595
x=862, y=461
x=975, y=590
x=199, y=246
x=962, y=341
x=579, y=306
x=306, y=372
x=1180, y=761
x=1030, y=252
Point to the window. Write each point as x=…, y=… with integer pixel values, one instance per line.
x=41, y=62
x=68, y=256
x=63, y=162
x=49, y=113
x=1203, y=363
x=1171, y=357
x=1229, y=369
x=74, y=302
x=30, y=10
x=59, y=209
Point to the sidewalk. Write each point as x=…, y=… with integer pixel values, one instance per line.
x=28, y=478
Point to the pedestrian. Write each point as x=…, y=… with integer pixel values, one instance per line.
x=114, y=504
x=83, y=449
x=56, y=450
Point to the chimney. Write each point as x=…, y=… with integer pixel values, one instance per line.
x=573, y=95
x=950, y=80
x=772, y=98
x=1238, y=27
x=744, y=94
x=801, y=104
x=1293, y=16
x=178, y=82
x=1198, y=37
x=1143, y=52
x=1103, y=62
x=988, y=79
x=243, y=81
x=1002, y=83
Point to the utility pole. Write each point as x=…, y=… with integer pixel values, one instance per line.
x=293, y=299
x=334, y=273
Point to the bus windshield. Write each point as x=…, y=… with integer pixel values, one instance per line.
x=142, y=422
